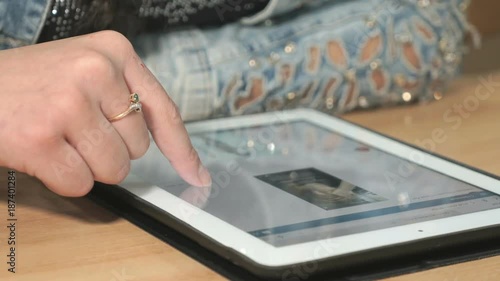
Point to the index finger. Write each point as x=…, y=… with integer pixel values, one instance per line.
x=165, y=123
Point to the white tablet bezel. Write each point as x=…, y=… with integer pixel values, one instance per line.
x=267, y=255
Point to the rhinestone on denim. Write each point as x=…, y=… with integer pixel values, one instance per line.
x=253, y=63
x=370, y=22
x=437, y=95
x=289, y=48
x=330, y=103
x=291, y=95
x=274, y=57
x=350, y=75
x=363, y=102
x=374, y=65
x=400, y=80
x=407, y=96
x=424, y=3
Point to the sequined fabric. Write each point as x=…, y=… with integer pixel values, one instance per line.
x=184, y=11
x=166, y=14
x=68, y=18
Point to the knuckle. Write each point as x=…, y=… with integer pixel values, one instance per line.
x=37, y=137
x=116, y=37
x=92, y=67
x=73, y=104
x=116, y=41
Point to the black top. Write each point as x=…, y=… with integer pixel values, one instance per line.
x=68, y=18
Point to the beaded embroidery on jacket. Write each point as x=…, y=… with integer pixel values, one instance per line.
x=333, y=56
x=373, y=78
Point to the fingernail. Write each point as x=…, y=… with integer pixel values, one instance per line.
x=204, y=176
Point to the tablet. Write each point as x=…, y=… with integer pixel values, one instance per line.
x=301, y=187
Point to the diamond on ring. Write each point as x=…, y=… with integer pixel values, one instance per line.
x=135, y=105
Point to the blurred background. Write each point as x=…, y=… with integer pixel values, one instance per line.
x=483, y=14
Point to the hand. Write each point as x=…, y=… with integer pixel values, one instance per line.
x=56, y=99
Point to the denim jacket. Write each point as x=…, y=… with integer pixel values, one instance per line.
x=332, y=55
x=21, y=22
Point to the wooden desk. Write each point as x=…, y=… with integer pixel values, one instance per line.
x=73, y=239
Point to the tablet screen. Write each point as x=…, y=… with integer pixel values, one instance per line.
x=297, y=182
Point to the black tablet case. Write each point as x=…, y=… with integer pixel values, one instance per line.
x=460, y=248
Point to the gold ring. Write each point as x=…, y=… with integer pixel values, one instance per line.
x=135, y=105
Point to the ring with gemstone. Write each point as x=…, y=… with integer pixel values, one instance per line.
x=135, y=105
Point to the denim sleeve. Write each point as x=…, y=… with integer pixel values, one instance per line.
x=21, y=22
x=340, y=56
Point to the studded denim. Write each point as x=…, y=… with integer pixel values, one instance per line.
x=336, y=56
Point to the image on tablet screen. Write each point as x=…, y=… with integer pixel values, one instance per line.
x=320, y=189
